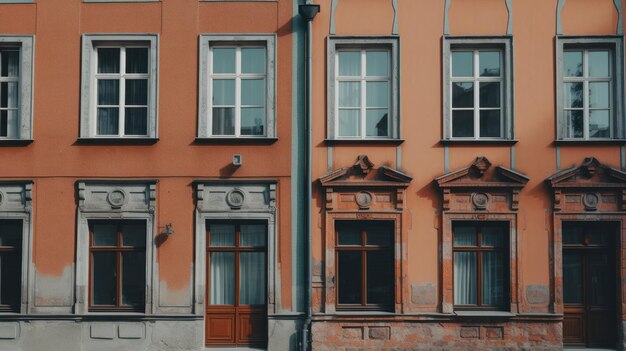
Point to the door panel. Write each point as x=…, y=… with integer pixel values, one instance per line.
x=220, y=328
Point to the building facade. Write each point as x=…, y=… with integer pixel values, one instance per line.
x=147, y=200
x=326, y=175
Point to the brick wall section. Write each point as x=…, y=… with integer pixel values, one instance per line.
x=421, y=336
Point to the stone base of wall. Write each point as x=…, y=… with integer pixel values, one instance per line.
x=439, y=336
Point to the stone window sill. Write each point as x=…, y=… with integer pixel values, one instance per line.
x=485, y=314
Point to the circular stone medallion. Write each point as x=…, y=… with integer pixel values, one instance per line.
x=591, y=200
x=116, y=198
x=480, y=200
x=235, y=198
x=364, y=199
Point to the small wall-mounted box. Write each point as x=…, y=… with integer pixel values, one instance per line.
x=237, y=160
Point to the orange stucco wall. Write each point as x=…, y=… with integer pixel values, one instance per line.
x=55, y=161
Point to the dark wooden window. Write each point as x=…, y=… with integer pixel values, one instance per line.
x=117, y=264
x=481, y=267
x=364, y=261
x=10, y=264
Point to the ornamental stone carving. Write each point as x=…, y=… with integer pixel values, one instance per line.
x=591, y=200
x=219, y=196
x=364, y=199
x=117, y=198
x=235, y=198
x=480, y=201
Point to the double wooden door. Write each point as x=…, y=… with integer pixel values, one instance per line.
x=236, y=309
x=589, y=284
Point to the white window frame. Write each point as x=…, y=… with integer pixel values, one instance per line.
x=205, y=108
x=25, y=45
x=475, y=45
x=614, y=44
x=363, y=44
x=91, y=43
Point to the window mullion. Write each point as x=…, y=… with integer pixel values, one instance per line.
x=476, y=96
x=363, y=94
x=238, y=92
x=121, y=125
x=586, y=94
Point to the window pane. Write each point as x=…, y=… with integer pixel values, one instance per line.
x=136, y=121
x=223, y=92
x=464, y=235
x=349, y=122
x=104, y=278
x=349, y=94
x=599, y=95
x=350, y=275
x=377, y=94
x=599, y=63
x=599, y=124
x=109, y=60
x=137, y=92
x=252, y=235
x=222, y=278
x=490, y=94
x=11, y=233
x=108, y=121
x=223, y=121
x=573, y=95
x=462, y=94
x=465, y=280
x=8, y=123
x=10, y=60
x=349, y=63
x=376, y=122
x=601, y=278
x=8, y=94
x=490, y=124
x=489, y=62
x=253, y=92
x=462, y=123
x=222, y=235
x=348, y=233
x=573, y=234
x=377, y=63
x=252, y=278
x=108, y=92
x=573, y=63
x=379, y=233
x=134, y=235
x=133, y=278
x=224, y=60
x=462, y=64
x=10, y=277
x=380, y=276
x=137, y=60
x=104, y=235
x=253, y=60
x=493, y=235
x=252, y=121
x=574, y=120
x=493, y=288
x=572, y=278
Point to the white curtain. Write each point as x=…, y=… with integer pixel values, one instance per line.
x=465, y=291
x=493, y=280
x=222, y=278
x=222, y=235
x=252, y=278
x=252, y=235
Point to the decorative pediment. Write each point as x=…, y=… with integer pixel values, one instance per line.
x=480, y=187
x=117, y=196
x=591, y=186
x=224, y=196
x=363, y=187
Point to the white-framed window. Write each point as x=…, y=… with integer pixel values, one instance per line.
x=237, y=86
x=363, y=88
x=589, y=88
x=119, y=86
x=16, y=72
x=477, y=89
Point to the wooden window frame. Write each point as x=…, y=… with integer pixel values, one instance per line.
x=118, y=249
x=237, y=249
x=479, y=249
x=363, y=248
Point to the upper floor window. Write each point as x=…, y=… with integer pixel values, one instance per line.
x=363, y=89
x=237, y=87
x=589, y=88
x=477, y=89
x=119, y=87
x=16, y=60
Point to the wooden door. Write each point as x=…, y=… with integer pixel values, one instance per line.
x=589, y=284
x=236, y=309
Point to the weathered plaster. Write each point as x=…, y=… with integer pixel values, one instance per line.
x=54, y=293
